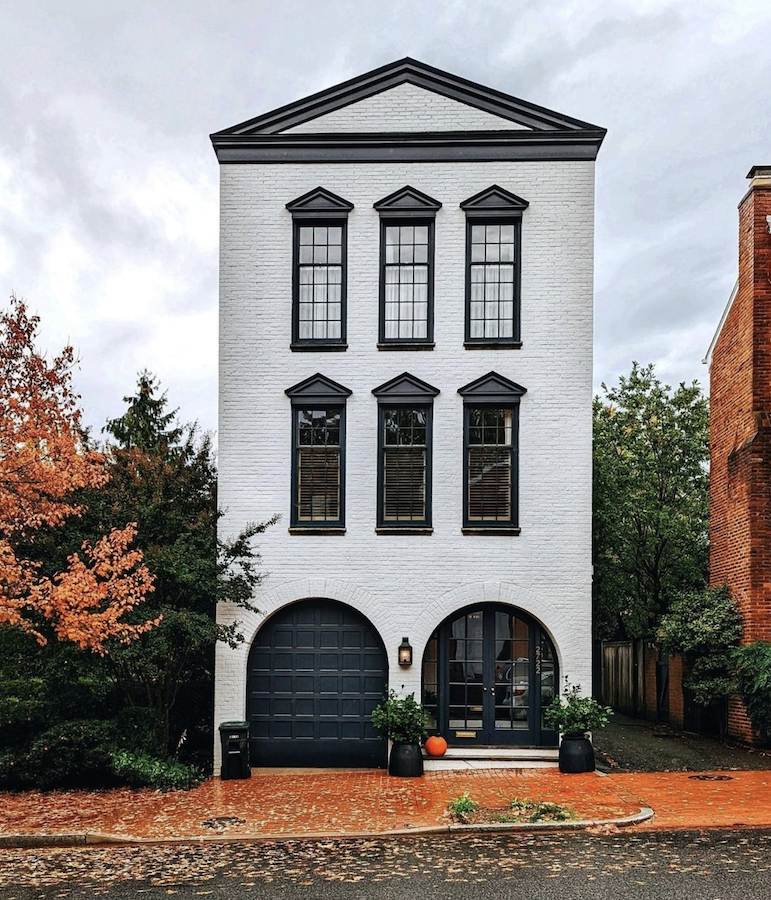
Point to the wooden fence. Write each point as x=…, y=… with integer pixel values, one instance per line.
x=622, y=676
x=640, y=679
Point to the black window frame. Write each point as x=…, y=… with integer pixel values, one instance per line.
x=317, y=392
x=405, y=392
x=403, y=208
x=495, y=206
x=492, y=391
x=319, y=208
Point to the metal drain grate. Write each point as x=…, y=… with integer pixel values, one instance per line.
x=711, y=777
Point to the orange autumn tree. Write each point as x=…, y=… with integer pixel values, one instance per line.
x=43, y=462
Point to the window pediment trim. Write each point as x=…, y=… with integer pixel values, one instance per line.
x=492, y=388
x=319, y=203
x=494, y=201
x=407, y=201
x=317, y=389
x=405, y=388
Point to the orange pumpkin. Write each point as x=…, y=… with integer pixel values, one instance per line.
x=436, y=745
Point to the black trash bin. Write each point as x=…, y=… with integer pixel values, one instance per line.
x=234, y=737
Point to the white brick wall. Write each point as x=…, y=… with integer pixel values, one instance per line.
x=407, y=585
x=406, y=107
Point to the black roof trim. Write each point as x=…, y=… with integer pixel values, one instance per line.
x=405, y=387
x=443, y=146
x=414, y=72
x=318, y=388
x=317, y=202
x=492, y=388
x=494, y=200
x=759, y=171
x=407, y=200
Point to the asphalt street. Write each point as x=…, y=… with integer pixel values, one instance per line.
x=710, y=865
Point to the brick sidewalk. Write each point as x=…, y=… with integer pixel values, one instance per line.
x=284, y=802
x=682, y=801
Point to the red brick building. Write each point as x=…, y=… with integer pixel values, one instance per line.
x=740, y=430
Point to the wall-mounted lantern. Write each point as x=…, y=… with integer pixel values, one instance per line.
x=405, y=653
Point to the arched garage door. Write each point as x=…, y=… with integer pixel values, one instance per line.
x=317, y=669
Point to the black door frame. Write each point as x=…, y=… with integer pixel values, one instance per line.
x=534, y=735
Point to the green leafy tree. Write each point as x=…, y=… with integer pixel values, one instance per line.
x=650, y=500
x=705, y=626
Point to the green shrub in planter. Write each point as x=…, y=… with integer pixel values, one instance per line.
x=574, y=715
x=138, y=770
x=401, y=719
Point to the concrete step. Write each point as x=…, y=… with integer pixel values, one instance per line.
x=493, y=758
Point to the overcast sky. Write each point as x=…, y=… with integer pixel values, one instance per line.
x=109, y=185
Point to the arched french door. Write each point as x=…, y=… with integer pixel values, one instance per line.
x=489, y=672
x=316, y=670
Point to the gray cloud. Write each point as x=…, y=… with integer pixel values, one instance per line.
x=108, y=185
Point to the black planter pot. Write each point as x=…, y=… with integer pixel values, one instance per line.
x=406, y=761
x=576, y=754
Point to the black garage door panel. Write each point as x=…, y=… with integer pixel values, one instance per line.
x=316, y=671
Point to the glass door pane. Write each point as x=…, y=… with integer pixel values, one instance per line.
x=431, y=682
x=512, y=674
x=466, y=674
x=546, y=669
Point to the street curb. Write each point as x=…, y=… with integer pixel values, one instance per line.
x=66, y=839
x=96, y=838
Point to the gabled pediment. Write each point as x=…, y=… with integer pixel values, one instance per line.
x=507, y=108
x=318, y=389
x=494, y=200
x=407, y=201
x=319, y=202
x=492, y=388
x=406, y=387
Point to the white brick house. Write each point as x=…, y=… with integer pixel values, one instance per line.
x=406, y=377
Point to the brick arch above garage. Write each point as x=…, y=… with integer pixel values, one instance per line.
x=271, y=601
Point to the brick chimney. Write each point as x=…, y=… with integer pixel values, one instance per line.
x=740, y=430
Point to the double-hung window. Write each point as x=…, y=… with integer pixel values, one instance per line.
x=319, y=249
x=491, y=455
x=407, y=270
x=318, y=455
x=405, y=418
x=493, y=270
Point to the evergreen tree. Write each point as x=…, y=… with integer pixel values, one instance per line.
x=145, y=424
x=165, y=474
